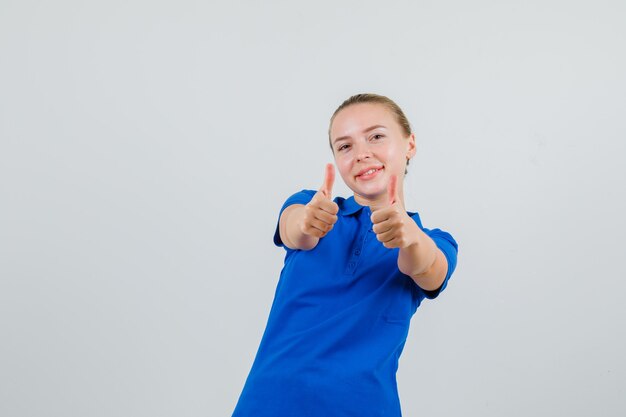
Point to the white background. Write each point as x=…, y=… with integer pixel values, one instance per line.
x=147, y=146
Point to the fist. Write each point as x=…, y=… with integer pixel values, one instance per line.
x=392, y=225
x=321, y=213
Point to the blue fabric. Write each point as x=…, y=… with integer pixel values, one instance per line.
x=338, y=324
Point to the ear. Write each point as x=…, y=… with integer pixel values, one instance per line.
x=411, y=147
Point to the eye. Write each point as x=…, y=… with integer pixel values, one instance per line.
x=378, y=136
x=343, y=147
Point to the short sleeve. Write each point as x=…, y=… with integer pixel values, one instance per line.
x=446, y=243
x=301, y=197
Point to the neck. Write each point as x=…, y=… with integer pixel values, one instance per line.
x=377, y=201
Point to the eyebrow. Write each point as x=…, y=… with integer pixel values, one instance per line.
x=365, y=131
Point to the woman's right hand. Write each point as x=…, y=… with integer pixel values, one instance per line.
x=320, y=214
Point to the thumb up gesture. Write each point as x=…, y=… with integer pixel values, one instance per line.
x=392, y=225
x=321, y=213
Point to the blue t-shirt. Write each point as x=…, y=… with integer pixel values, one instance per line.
x=338, y=323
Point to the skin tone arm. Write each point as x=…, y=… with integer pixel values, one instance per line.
x=418, y=256
x=302, y=226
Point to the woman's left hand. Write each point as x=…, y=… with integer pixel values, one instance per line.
x=391, y=223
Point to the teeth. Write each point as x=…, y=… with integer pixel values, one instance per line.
x=371, y=171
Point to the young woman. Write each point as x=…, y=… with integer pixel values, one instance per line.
x=355, y=272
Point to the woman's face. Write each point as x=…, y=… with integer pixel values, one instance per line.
x=369, y=145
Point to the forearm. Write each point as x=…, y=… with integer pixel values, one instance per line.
x=291, y=231
x=423, y=262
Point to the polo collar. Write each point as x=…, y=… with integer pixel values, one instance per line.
x=350, y=206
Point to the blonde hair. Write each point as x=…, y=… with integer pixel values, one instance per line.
x=378, y=99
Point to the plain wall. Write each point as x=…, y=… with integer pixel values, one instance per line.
x=146, y=148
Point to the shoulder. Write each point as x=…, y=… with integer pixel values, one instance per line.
x=304, y=196
x=438, y=235
x=416, y=217
x=301, y=197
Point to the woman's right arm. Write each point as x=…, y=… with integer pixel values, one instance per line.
x=291, y=230
x=301, y=227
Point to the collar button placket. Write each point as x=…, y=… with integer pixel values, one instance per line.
x=357, y=249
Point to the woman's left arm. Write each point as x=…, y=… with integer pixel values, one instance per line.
x=419, y=257
x=423, y=261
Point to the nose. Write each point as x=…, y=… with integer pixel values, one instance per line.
x=362, y=152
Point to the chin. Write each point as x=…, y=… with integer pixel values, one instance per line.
x=370, y=194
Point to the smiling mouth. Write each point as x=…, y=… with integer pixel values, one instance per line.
x=369, y=173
